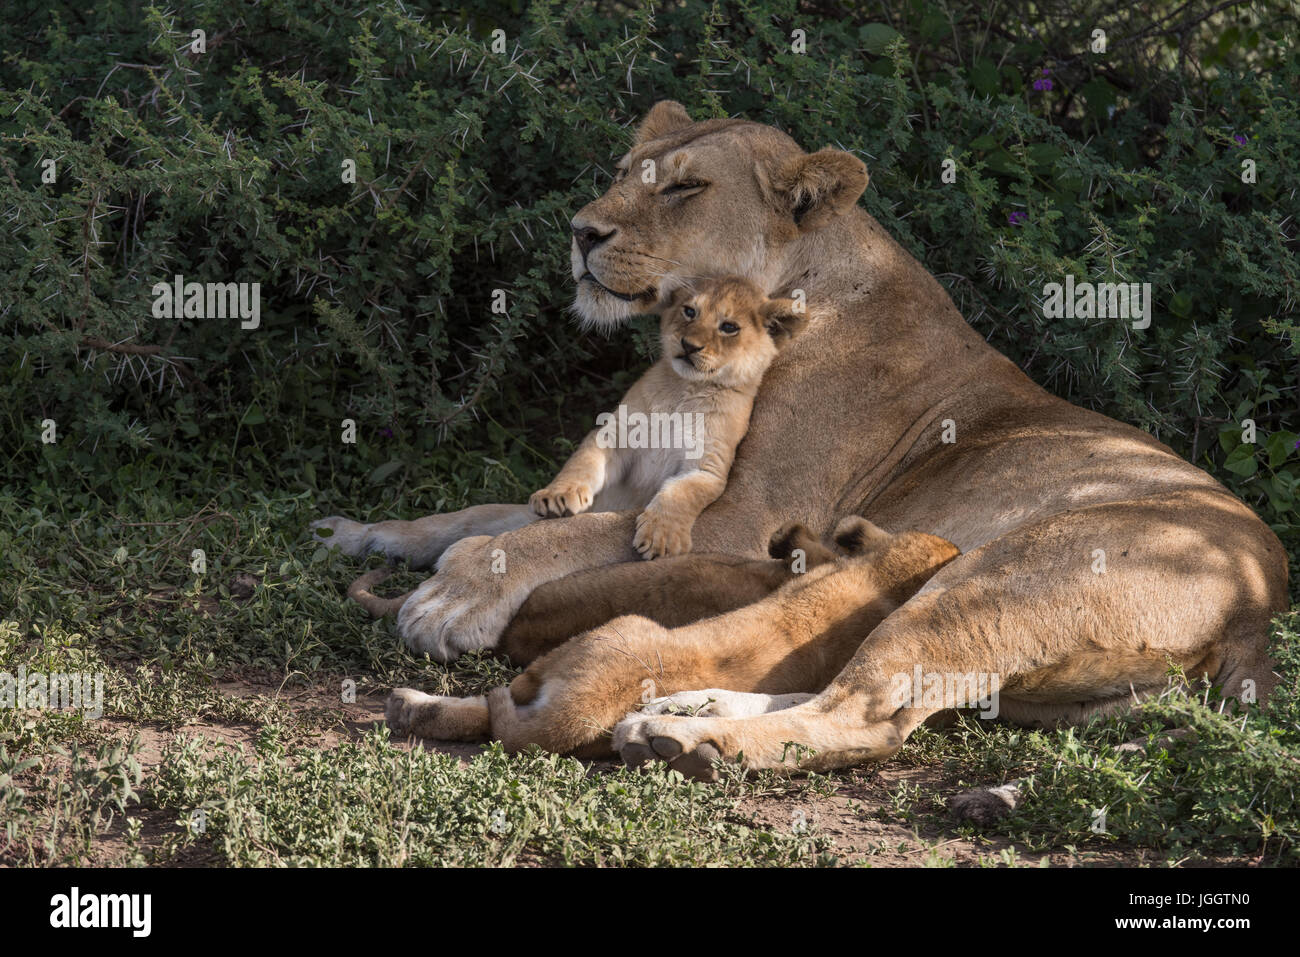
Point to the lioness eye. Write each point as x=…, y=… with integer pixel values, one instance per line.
x=684, y=187
x=730, y=328
x=688, y=312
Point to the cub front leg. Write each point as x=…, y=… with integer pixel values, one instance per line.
x=577, y=485
x=664, y=528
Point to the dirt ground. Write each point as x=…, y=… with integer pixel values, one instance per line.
x=850, y=816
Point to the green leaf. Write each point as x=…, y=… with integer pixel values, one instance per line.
x=876, y=37
x=1280, y=445
x=1242, y=461
x=984, y=77
x=934, y=26
x=1280, y=489
x=1003, y=162
x=1099, y=96
x=385, y=470
x=1043, y=154
x=985, y=142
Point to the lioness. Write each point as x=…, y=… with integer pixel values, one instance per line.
x=717, y=338
x=569, y=700
x=891, y=407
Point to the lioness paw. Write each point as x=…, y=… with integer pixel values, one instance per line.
x=561, y=499
x=640, y=740
x=658, y=535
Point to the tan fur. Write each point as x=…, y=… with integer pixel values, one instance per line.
x=677, y=591
x=718, y=337
x=851, y=419
x=569, y=700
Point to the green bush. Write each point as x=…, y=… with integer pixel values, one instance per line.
x=376, y=295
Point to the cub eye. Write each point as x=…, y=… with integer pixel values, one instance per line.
x=688, y=312
x=730, y=328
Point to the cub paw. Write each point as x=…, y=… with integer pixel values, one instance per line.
x=561, y=499
x=857, y=537
x=786, y=539
x=658, y=535
x=406, y=708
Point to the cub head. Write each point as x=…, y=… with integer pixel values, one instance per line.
x=903, y=561
x=717, y=197
x=725, y=330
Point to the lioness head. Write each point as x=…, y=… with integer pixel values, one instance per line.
x=691, y=199
x=725, y=330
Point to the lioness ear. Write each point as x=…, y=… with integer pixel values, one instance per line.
x=672, y=297
x=782, y=320
x=819, y=186
x=664, y=117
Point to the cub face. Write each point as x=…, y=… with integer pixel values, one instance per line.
x=725, y=330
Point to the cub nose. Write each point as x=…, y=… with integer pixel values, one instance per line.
x=689, y=348
x=589, y=237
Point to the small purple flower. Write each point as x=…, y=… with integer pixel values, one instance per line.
x=386, y=432
x=1240, y=140
x=1018, y=218
x=1297, y=444
x=1042, y=84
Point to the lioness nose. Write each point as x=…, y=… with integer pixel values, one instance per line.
x=589, y=237
x=689, y=347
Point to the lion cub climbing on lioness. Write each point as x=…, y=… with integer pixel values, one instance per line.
x=669, y=447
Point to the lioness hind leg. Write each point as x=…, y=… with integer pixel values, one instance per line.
x=413, y=713
x=805, y=737
x=720, y=703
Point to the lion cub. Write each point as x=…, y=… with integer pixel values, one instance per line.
x=668, y=449
x=771, y=654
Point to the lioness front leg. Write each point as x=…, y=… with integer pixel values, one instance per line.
x=482, y=581
x=420, y=541
x=664, y=528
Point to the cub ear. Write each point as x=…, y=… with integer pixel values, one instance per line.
x=783, y=319
x=857, y=536
x=817, y=187
x=664, y=117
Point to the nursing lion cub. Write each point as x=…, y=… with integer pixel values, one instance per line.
x=687, y=414
x=761, y=657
